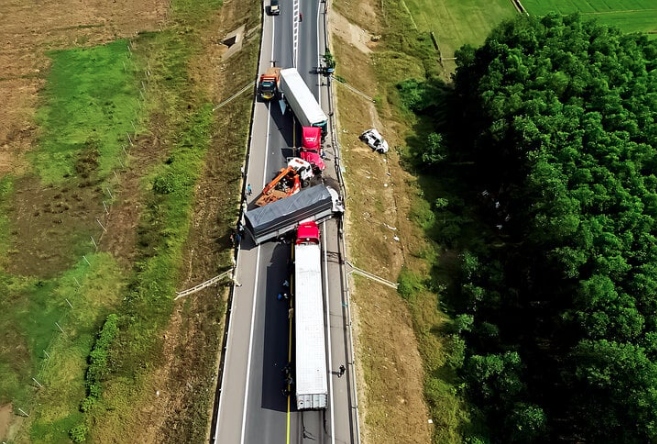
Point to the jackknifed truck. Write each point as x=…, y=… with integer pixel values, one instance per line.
x=316, y=203
x=310, y=337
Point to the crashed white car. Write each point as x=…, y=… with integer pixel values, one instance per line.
x=375, y=140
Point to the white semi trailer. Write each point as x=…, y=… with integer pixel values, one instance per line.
x=301, y=100
x=310, y=356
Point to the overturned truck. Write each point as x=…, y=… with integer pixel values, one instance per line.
x=316, y=203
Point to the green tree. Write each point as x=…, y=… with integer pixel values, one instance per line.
x=556, y=115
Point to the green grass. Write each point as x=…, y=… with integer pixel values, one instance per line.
x=164, y=227
x=456, y=22
x=628, y=15
x=91, y=102
x=170, y=210
x=33, y=345
x=6, y=189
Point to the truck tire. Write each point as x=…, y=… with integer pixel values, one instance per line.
x=305, y=183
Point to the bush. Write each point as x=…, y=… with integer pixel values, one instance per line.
x=409, y=284
x=79, y=433
x=421, y=97
x=98, y=362
x=164, y=184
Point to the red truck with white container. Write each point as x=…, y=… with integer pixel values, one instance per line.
x=310, y=338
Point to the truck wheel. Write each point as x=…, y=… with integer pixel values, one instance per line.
x=305, y=183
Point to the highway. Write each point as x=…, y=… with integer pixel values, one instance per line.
x=252, y=408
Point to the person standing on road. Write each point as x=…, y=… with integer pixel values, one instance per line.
x=341, y=371
x=248, y=189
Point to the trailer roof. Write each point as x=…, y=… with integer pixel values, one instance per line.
x=303, y=95
x=299, y=206
x=311, y=370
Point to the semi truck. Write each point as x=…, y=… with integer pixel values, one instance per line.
x=268, y=85
x=311, y=149
x=316, y=203
x=301, y=100
x=311, y=386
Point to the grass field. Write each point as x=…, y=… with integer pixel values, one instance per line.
x=50, y=312
x=33, y=345
x=91, y=101
x=628, y=15
x=456, y=23
x=54, y=299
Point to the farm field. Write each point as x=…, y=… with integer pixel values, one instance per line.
x=100, y=198
x=457, y=23
x=628, y=15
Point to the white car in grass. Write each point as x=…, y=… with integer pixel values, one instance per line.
x=375, y=140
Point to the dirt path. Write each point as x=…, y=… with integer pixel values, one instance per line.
x=5, y=419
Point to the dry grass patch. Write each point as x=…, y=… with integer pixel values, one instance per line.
x=361, y=13
x=378, y=230
x=29, y=30
x=403, y=354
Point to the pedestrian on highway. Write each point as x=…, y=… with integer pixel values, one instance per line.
x=248, y=189
x=242, y=172
x=238, y=239
x=341, y=371
x=286, y=284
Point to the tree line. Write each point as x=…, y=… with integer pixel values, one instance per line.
x=556, y=120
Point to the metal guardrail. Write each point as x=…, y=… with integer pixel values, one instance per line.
x=202, y=285
x=231, y=293
x=372, y=277
x=231, y=98
x=354, y=90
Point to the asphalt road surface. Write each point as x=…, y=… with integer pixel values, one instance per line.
x=252, y=408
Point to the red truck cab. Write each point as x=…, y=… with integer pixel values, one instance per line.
x=307, y=233
x=311, y=148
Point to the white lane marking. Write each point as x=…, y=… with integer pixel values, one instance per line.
x=328, y=329
x=296, y=15
x=248, y=363
x=257, y=267
x=319, y=84
x=273, y=24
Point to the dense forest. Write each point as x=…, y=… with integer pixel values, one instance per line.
x=556, y=311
